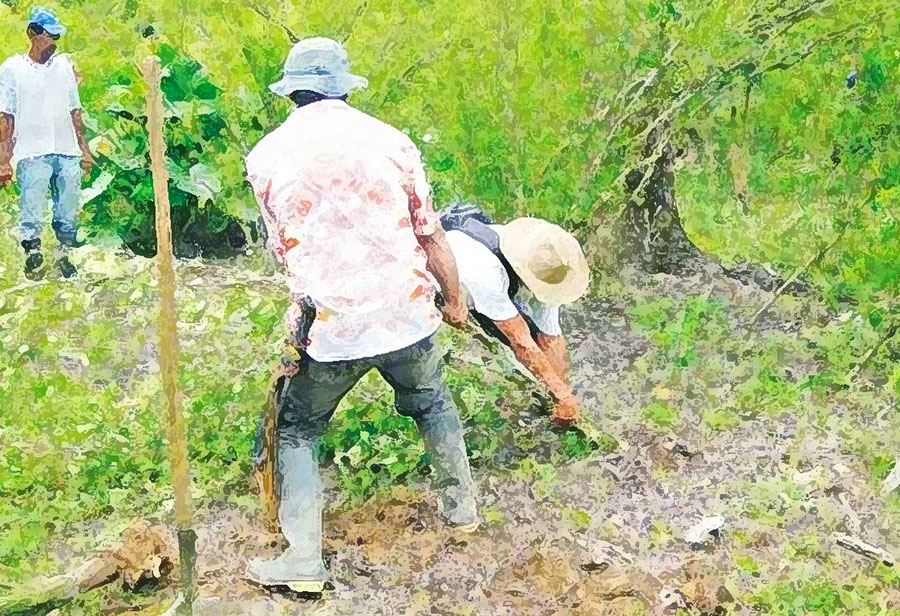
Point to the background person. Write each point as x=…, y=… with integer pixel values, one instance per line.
x=42, y=129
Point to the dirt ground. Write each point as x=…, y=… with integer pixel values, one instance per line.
x=606, y=534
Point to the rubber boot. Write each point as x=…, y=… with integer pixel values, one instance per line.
x=300, y=566
x=443, y=435
x=67, y=241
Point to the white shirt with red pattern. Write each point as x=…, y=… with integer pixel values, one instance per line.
x=344, y=196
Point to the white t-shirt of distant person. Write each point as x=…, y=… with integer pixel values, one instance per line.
x=487, y=286
x=41, y=98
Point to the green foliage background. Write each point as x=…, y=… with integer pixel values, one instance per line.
x=537, y=108
x=532, y=108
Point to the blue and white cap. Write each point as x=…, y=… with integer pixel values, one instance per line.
x=46, y=19
x=318, y=64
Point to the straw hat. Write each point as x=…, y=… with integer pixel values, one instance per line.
x=318, y=64
x=546, y=257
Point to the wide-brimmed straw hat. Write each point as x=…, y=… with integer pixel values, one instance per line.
x=318, y=64
x=547, y=258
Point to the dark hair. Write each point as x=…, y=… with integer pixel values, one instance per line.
x=305, y=97
x=38, y=29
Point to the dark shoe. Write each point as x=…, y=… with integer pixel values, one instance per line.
x=33, y=263
x=32, y=245
x=66, y=268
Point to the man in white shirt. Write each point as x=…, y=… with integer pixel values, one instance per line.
x=348, y=212
x=517, y=276
x=42, y=129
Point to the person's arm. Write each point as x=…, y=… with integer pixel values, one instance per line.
x=554, y=347
x=276, y=239
x=532, y=357
x=7, y=130
x=442, y=265
x=87, y=159
x=427, y=227
x=7, y=124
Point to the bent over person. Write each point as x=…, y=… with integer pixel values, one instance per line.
x=517, y=276
x=349, y=214
x=41, y=128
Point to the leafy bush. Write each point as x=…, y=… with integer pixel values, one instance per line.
x=204, y=216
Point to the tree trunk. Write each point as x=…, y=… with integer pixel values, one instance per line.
x=651, y=234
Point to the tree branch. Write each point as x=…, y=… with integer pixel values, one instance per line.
x=629, y=110
x=816, y=257
x=864, y=360
x=746, y=65
x=359, y=11
x=792, y=17
x=725, y=74
x=268, y=17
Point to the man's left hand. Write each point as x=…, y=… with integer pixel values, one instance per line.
x=566, y=411
x=6, y=174
x=87, y=163
x=456, y=314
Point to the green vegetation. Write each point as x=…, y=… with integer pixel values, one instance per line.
x=785, y=148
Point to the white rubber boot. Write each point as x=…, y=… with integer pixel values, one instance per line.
x=300, y=567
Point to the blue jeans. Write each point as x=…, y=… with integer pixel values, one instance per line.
x=310, y=398
x=55, y=176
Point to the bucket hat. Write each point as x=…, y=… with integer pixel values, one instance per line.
x=318, y=64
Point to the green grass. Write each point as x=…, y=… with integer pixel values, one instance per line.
x=660, y=414
x=819, y=596
x=83, y=438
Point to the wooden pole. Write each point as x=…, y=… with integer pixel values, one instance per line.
x=168, y=338
x=267, y=477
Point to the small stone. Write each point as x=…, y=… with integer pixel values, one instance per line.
x=724, y=596
x=604, y=555
x=701, y=532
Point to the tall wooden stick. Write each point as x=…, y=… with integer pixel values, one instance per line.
x=168, y=337
x=267, y=477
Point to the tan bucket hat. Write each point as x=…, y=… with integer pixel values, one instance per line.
x=546, y=257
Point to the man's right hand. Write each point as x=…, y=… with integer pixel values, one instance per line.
x=456, y=314
x=6, y=173
x=566, y=411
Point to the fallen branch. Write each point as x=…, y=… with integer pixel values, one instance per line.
x=795, y=274
x=145, y=552
x=854, y=372
x=865, y=549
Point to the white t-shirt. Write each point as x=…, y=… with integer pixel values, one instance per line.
x=41, y=97
x=332, y=185
x=487, y=283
